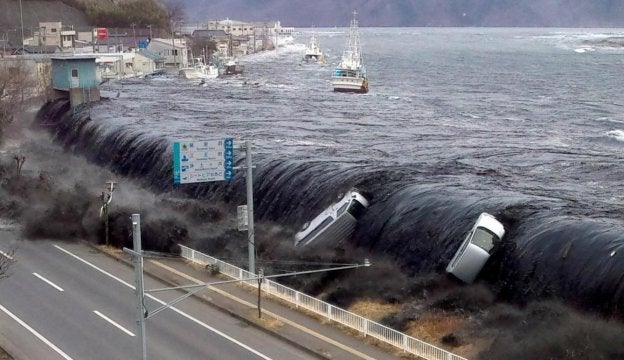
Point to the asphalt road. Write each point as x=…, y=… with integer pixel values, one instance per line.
x=68, y=301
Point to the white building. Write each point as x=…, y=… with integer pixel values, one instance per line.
x=236, y=28
x=54, y=34
x=175, y=52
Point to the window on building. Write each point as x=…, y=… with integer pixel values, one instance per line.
x=74, y=73
x=53, y=30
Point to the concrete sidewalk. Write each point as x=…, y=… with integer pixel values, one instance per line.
x=321, y=338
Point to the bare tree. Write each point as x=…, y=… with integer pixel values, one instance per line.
x=19, y=162
x=175, y=12
x=16, y=84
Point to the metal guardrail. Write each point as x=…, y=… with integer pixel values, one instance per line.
x=300, y=300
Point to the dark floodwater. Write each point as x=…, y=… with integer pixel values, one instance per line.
x=527, y=124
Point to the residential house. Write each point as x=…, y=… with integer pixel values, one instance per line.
x=54, y=34
x=220, y=38
x=147, y=62
x=174, y=51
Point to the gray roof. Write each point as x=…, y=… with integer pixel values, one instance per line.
x=210, y=33
x=44, y=49
x=151, y=55
x=74, y=58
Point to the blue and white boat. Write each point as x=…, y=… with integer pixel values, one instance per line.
x=350, y=75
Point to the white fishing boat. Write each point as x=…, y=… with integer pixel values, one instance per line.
x=313, y=53
x=350, y=75
x=199, y=70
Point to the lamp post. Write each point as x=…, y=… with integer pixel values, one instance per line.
x=150, y=28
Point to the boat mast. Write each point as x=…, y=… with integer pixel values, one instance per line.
x=352, y=54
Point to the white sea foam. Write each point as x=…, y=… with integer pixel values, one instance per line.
x=616, y=134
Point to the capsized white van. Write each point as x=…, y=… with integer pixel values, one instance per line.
x=335, y=223
x=476, y=249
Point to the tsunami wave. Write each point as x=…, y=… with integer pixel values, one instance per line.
x=548, y=251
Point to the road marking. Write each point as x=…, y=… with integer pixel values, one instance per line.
x=48, y=282
x=6, y=255
x=34, y=332
x=264, y=311
x=112, y=322
x=195, y=320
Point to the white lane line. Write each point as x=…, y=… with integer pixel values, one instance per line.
x=265, y=311
x=6, y=255
x=113, y=323
x=49, y=282
x=195, y=320
x=34, y=332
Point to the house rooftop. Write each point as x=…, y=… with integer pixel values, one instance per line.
x=72, y=57
x=151, y=55
x=209, y=33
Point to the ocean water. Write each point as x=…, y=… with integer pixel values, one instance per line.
x=526, y=124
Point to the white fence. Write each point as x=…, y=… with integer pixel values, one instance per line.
x=299, y=299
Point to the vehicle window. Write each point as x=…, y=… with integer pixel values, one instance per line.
x=342, y=209
x=484, y=239
x=356, y=209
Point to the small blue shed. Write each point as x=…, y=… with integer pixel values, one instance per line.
x=75, y=77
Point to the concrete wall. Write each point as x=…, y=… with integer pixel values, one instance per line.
x=82, y=96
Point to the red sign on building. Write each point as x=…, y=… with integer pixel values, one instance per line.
x=102, y=33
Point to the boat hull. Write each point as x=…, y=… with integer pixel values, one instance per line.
x=193, y=73
x=350, y=84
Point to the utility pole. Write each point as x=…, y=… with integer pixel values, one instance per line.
x=22, y=24
x=260, y=278
x=134, y=35
x=250, y=209
x=173, y=49
x=137, y=260
x=106, y=200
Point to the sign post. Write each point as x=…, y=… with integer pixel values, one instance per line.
x=250, y=210
x=202, y=161
x=213, y=160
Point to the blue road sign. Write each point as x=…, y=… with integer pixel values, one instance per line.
x=201, y=161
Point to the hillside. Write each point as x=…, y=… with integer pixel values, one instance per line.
x=34, y=12
x=329, y=13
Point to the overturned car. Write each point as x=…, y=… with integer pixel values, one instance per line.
x=476, y=248
x=335, y=223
